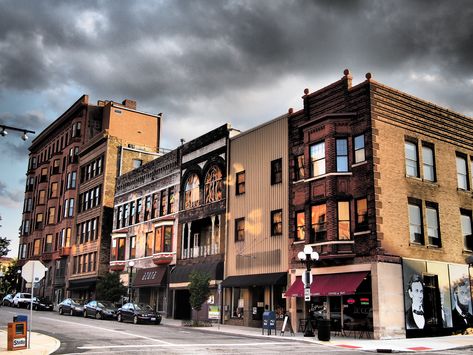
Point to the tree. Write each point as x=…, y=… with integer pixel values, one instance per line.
x=4, y=244
x=199, y=289
x=9, y=282
x=110, y=287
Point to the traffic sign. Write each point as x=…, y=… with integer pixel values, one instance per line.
x=307, y=294
x=33, y=270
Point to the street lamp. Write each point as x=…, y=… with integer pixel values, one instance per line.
x=130, y=276
x=309, y=257
x=19, y=283
x=4, y=131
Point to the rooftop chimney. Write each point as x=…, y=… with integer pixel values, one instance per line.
x=129, y=104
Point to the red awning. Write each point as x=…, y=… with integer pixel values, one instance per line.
x=328, y=285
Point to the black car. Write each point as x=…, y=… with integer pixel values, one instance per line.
x=100, y=310
x=71, y=306
x=8, y=300
x=41, y=304
x=138, y=313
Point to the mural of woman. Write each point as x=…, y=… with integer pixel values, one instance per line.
x=415, y=314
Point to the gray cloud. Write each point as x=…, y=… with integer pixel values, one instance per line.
x=9, y=198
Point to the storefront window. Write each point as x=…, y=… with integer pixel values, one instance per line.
x=237, y=303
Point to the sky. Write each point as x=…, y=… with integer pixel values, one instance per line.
x=206, y=63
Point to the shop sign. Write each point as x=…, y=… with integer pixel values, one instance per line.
x=214, y=312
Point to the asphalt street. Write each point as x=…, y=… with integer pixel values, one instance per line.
x=89, y=336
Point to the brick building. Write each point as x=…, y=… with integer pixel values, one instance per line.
x=380, y=186
x=70, y=187
x=145, y=229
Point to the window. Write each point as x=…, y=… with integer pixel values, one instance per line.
x=318, y=223
x=126, y=215
x=154, y=210
x=73, y=180
x=138, y=210
x=276, y=171
x=147, y=208
x=71, y=207
x=428, y=162
x=51, y=215
x=276, y=222
x=359, y=145
x=163, y=204
x=343, y=220
x=158, y=240
x=240, y=183
x=132, y=252
x=42, y=197
x=132, y=212
x=167, y=239
x=361, y=215
x=213, y=185
x=149, y=244
x=462, y=172
x=342, y=154
x=53, y=191
x=172, y=200
x=300, y=226
x=415, y=223
x=44, y=175
x=466, y=230
x=433, y=232
x=299, y=167
x=137, y=163
x=411, y=159
x=239, y=229
x=66, y=242
x=121, y=248
x=37, y=247
x=48, y=246
x=192, y=197
x=56, y=169
x=119, y=217
x=317, y=158
x=39, y=221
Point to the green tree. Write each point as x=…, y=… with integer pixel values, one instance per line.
x=9, y=282
x=199, y=288
x=110, y=287
x=4, y=244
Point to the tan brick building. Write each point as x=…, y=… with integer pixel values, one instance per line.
x=380, y=186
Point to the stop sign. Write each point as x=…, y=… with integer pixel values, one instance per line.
x=33, y=271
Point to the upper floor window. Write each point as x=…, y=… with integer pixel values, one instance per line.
x=56, y=167
x=276, y=171
x=361, y=215
x=343, y=220
x=466, y=230
x=147, y=207
x=53, y=191
x=433, y=230
x=48, y=246
x=239, y=229
x=462, y=172
x=172, y=200
x=39, y=221
x=342, y=154
x=359, y=147
x=149, y=244
x=299, y=167
x=428, y=162
x=415, y=223
x=240, y=183
x=213, y=185
x=192, y=192
x=132, y=250
x=300, y=226
x=276, y=222
x=119, y=217
x=44, y=175
x=76, y=129
x=138, y=210
x=317, y=158
x=318, y=223
x=37, y=247
x=137, y=163
x=51, y=215
x=411, y=159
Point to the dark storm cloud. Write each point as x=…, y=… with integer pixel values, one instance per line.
x=10, y=198
x=169, y=53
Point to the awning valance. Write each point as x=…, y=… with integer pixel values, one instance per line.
x=87, y=283
x=329, y=285
x=181, y=272
x=277, y=278
x=150, y=277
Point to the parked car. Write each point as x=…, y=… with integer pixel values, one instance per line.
x=100, y=310
x=21, y=299
x=41, y=304
x=71, y=306
x=138, y=313
x=8, y=300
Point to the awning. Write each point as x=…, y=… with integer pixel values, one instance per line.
x=82, y=283
x=329, y=285
x=181, y=272
x=277, y=278
x=150, y=277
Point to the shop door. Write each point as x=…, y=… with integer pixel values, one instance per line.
x=335, y=312
x=257, y=302
x=182, y=305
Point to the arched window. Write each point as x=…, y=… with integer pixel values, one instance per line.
x=192, y=191
x=213, y=185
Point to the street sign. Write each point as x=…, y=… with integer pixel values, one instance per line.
x=33, y=270
x=307, y=278
x=307, y=294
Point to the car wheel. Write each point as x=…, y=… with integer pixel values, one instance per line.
x=119, y=318
x=85, y=314
x=158, y=322
x=98, y=315
x=61, y=311
x=135, y=320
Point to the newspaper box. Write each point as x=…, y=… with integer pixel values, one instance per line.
x=17, y=336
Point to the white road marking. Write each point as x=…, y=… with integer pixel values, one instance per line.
x=182, y=345
x=110, y=330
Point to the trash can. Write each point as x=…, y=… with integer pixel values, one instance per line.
x=324, y=329
x=20, y=318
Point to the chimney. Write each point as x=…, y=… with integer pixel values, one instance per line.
x=129, y=104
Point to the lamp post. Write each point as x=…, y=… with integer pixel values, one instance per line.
x=19, y=282
x=4, y=131
x=308, y=257
x=130, y=277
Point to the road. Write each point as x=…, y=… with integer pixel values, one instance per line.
x=89, y=336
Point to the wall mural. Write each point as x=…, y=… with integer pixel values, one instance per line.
x=462, y=314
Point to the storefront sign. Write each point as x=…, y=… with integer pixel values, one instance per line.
x=214, y=312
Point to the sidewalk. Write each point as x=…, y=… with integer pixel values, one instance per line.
x=43, y=344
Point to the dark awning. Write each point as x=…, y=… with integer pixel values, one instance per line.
x=153, y=276
x=82, y=283
x=329, y=285
x=277, y=278
x=181, y=272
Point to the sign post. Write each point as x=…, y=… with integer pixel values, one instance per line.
x=33, y=271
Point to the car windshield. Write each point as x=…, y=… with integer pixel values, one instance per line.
x=26, y=295
x=105, y=304
x=144, y=307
